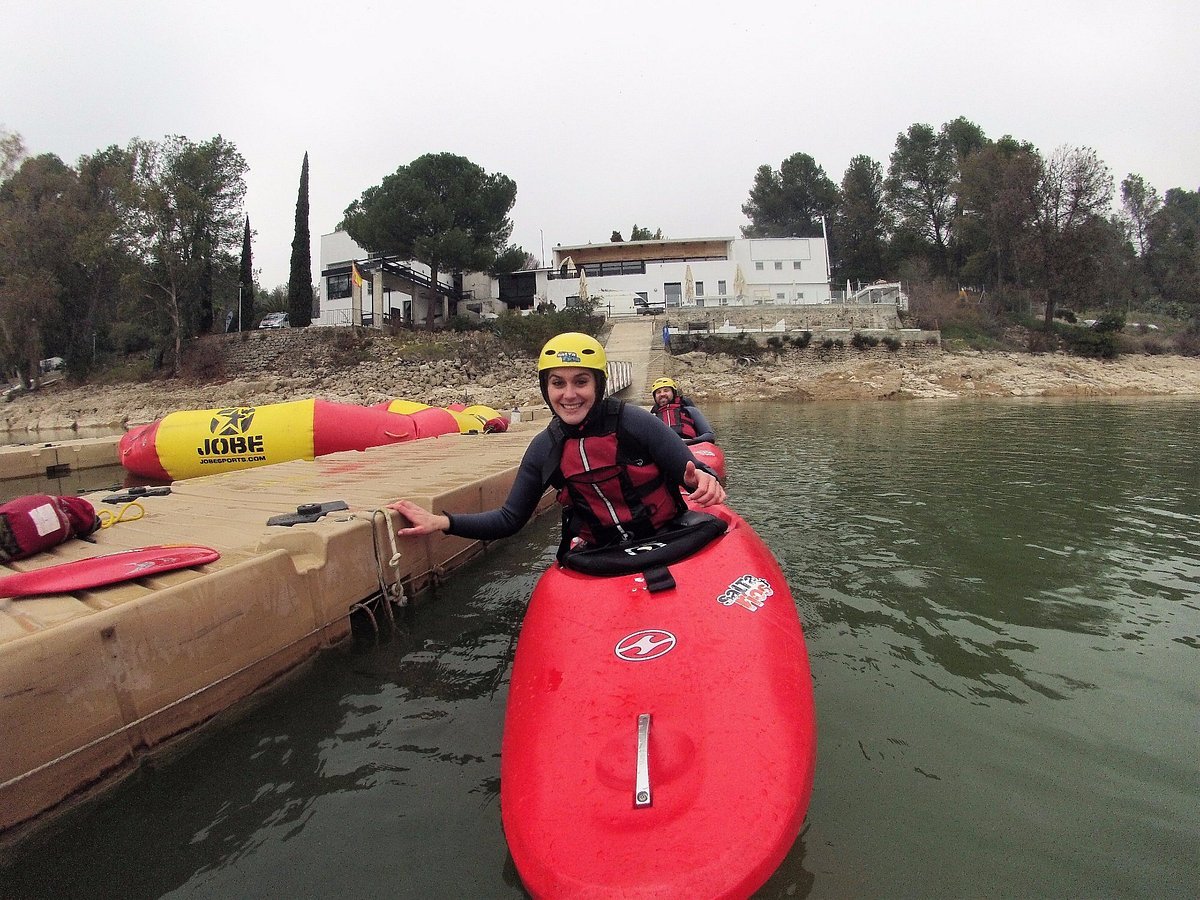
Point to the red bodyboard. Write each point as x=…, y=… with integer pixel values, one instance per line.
x=111, y=568
x=719, y=664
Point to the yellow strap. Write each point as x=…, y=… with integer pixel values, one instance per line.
x=107, y=519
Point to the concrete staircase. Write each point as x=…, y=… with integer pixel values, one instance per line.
x=639, y=342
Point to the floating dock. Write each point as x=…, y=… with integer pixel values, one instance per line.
x=52, y=459
x=90, y=682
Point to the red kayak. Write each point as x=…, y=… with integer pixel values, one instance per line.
x=659, y=739
x=711, y=455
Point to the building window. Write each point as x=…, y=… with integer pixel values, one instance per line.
x=603, y=269
x=779, y=296
x=572, y=301
x=721, y=288
x=796, y=264
x=699, y=288
x=758, y=267
x=337, y=286
x=778, y=264
x=799, y=295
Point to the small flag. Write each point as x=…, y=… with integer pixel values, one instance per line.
x=355, y=275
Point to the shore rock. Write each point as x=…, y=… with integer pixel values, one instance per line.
x=469, y=369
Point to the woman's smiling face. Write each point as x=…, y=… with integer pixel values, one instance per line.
x=571, y=391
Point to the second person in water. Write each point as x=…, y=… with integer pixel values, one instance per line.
x=619, y=471
x=678, y=413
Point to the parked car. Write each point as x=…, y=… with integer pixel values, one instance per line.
x=648, y=308
x=275, y=320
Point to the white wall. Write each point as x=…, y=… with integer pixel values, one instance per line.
x=615, y=293
x=804, y=285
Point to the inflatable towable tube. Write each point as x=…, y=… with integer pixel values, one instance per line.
x=196, y=442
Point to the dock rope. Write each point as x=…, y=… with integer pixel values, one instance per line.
x=390, y=594
x=124, y=514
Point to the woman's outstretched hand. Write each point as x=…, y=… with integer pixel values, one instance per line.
x=423, y=521
x=704, y=489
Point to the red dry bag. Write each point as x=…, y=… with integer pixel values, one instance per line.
x=31, y=524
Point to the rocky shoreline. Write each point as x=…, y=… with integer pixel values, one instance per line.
x=473, y=370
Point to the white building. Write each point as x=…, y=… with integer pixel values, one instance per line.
x=392, y=290
x=678, y=273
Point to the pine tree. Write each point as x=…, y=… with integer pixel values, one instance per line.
x=300, y=292
x=246, y=284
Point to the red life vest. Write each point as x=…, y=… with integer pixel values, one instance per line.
x=613, y=492
x=676, y=417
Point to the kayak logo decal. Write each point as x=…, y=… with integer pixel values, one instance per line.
x=643, y=548
x=749, y=591
x=650, y=643
x=232, y=444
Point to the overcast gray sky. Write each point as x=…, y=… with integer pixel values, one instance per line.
x=604, y=113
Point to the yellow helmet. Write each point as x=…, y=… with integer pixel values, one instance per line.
x=573, y=349
x=662, y=383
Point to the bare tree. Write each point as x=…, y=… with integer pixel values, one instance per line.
x=12, y=151
x=1139, y=203
x=1074, y=195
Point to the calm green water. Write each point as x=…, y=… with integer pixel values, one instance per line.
x=1002, y=608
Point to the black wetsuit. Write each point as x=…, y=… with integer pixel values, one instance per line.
x=637, y=426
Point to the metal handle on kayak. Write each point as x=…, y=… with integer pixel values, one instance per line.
x=641, y=786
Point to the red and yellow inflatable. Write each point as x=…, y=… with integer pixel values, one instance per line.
x=197, y=442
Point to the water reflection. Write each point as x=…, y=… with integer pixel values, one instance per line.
x=75, y=482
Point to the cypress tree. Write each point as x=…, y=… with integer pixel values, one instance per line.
x=300, y=292
x=246, y=284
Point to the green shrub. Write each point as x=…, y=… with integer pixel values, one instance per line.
x=461, y=323
x=529, y=333
x=862, y=341
x=1041, y=342
x=775, y=343
x=802, y=340
x=1187, y=342
x=203, y=360
x=739, y=346
x=891, y=342
x=1092, y=343
x=1112, y=322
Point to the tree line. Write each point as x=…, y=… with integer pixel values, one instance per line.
x=996, y=216
x=135, y=248
x=142, y=247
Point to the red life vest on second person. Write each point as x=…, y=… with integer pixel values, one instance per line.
x=614, y=492
x=676, y=417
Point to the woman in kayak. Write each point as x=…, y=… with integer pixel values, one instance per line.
x=678, y=413
x=618, y=470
